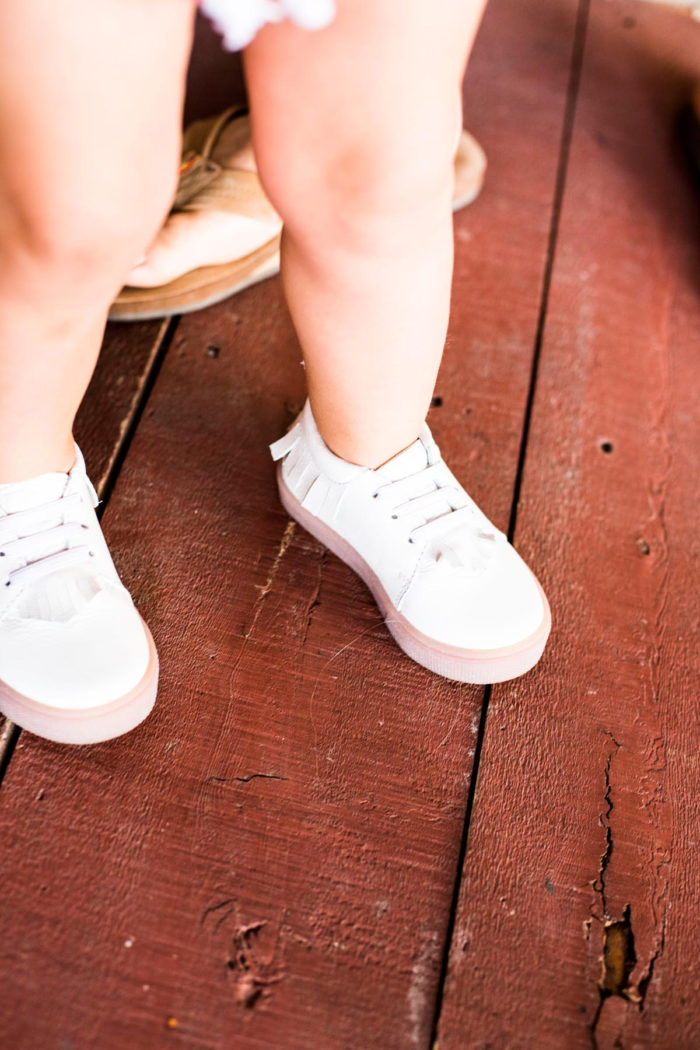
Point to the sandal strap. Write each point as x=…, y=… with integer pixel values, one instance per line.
x=202, y=136
x=206, y=185
x=196, y=174
x=238, y=192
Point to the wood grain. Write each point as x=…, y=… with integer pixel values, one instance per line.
x=269, y=861
x=576, y=926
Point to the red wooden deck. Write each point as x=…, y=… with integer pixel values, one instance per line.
x=314, y=843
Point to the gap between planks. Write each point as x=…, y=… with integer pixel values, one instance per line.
x=577, y=54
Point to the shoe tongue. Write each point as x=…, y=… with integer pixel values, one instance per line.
x=411, y=461
x=24, y=495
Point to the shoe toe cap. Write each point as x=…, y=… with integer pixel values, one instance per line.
x=500, y=607
x=95, y=658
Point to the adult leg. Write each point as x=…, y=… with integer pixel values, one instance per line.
x=355, y=129
x=90, y=116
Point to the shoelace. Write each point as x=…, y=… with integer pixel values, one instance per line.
x=41, y=540
x=447, y=520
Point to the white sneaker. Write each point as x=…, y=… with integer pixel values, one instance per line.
x=77, y=662
x=456, y=596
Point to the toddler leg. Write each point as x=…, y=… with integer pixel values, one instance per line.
x=90, y=99
x=355, y=129
x=90, y=102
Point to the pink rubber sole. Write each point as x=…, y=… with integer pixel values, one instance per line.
x=477, y=666
x=91, y=725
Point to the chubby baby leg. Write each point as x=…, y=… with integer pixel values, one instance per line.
x=90, y=104
x=355, y=129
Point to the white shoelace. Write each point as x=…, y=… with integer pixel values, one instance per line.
x=443, y=517
x=40, y=540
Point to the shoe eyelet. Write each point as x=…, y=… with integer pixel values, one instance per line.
x=375, y=495
x=394, y=517
x=411, y=540
x=2, y=554
x=84, y=526
x=8, y=582
x=91, y=553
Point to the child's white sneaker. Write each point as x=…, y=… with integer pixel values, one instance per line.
x=456, y=596
x=77, y=662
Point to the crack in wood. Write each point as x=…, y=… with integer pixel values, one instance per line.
x=645, y=981
x=267, y=586
x=619, y=957
x=264, y=590
x=604, y=818
x=618, y=961
x=247, y=779
x=9, y=734
x=315, y=600
x=615, y=941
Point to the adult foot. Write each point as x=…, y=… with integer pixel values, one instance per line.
x=192, y=239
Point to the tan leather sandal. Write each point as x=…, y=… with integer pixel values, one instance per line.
x=206, y=185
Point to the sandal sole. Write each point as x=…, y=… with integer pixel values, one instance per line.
x=209, y=285
x=197, y=289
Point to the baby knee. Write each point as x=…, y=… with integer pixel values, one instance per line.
x=381, y=182
x=84, y=245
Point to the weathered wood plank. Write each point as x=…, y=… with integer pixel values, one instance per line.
x=585, y=823
x=269, y=861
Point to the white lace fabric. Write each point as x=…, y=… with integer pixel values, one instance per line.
x=41, y=540
x=239, y=20
x=438, y=513
x=415, y=489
